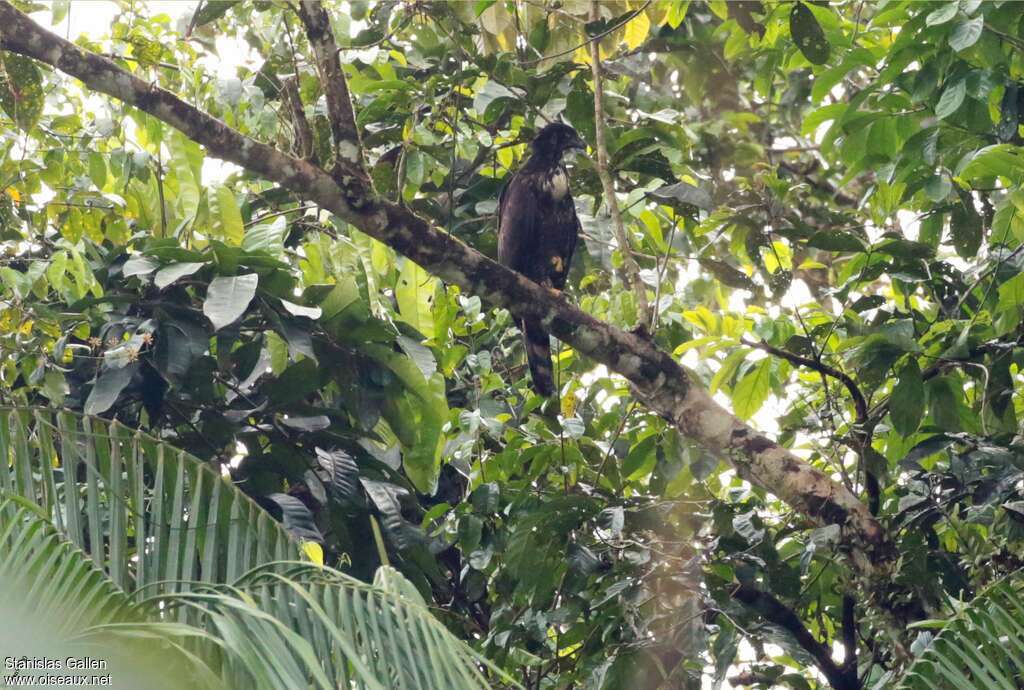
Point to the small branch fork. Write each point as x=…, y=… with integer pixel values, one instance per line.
x=840, y=677
x=862, y=421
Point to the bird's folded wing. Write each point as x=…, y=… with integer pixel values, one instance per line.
x=517, y=225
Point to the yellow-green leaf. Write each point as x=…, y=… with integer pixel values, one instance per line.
x=637, y=30
x=415, y=295
x=313, y=551
x=752, y=390
x=188, y=183
x=227, y=218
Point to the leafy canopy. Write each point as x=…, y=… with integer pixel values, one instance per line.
x=802, y=183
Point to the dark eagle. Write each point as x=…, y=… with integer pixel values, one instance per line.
x=537, y=230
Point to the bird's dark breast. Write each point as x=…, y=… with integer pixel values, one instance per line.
x=556, y=215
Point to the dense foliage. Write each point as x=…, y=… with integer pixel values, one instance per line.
x=824, y=206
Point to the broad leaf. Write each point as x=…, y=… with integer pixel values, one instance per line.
x=752, y=390
x=906, y=405
x=227, y=298
x=415, y=295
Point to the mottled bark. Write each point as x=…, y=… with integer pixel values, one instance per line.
x=664, y=385
x=304, y=144
x=348, y=148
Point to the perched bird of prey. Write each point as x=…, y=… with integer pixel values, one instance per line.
x=537, y=230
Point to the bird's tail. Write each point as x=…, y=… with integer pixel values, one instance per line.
x=538, y=355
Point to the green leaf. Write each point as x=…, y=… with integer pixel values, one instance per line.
x=268, y=237
x=641, y=459
x=212, y=10
x=677, y=13
x=227, y=218
x=227, y=298
x=808, y=34
x=685, y=193
x=1011, y=293
x=108, y=386
x=883, y=139
x=906, y=405
x=944, y=403
x=905, y=249
x=579, y=109
x=139, y=266
x=966, y=33
x=97, y=170
x=951, y=100
x=415, y=295
x=967, y=228
x=294, y=383
x=59, y=10
x=423, y=416
x=1008, y=221
x=481, y=6
x=21, y=89
x=300, y=310
x=938, y=187
x=168, y=274
x=183, y=151
x=834, y=241
x=295, y=515
x=999, y=159
x=1009, y=112
x=947, y=10
x=752, y=390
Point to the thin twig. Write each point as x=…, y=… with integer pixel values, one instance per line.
x=859, y=401
x=630, y=268
x=592, y=39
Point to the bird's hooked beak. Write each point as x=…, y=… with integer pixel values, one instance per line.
x=573, y=148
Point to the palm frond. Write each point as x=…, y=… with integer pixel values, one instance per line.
x=149, y=514
x=981, y=647
x=297, y=624
x=61, y=604
x=92, y=512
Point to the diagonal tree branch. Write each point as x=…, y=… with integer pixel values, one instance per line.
x=662, y=383
x=348, y=148
x=839, y=677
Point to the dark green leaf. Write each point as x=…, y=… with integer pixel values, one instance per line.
x=966, y=33
x=342, y=474
x=211, y=10
x=21, y=89
x=943, y=403
x=685, y=193
x=295, y=516
x=906, y=406
x=108, y=386
x=294, y=383
x=966, y=226
x=951, y=100
x=836, y=241
x=808, y=34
